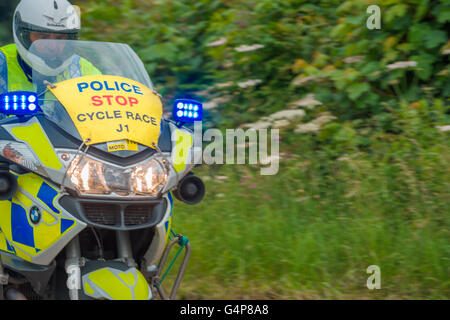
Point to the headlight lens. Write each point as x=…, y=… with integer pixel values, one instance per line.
x=90, y=176
x=87, y=176
x=149, y=178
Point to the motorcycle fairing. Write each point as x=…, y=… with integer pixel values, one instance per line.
x=183, y=153
x=41, y=241
x=35, y=140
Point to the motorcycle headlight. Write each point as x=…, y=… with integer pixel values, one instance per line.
x=87, y=176
x=149, y=178
x=94, y=177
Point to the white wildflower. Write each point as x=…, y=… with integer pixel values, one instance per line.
x=276, y=120
x=246, y=48
x=323, y=119
x=444, y=128
x=401, y=65
x=222, y=99
x=307, y=128
x=309, y=102
x=286, y=114
x=263, y=123
x=446, y=52
x=224, y=84
x=303, y=80
x=210, y=105
x=281, y=123
x=203, y=93
x=353, y=59
x=249, y=83
x=214, y=103
x=217, y=43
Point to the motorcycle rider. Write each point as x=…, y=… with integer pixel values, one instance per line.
x=52, y=61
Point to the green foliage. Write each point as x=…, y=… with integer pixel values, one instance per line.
x=6, y=14
x=368, y=188
x=298, y=39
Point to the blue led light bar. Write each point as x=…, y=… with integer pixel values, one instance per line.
x=19, y=103
x=186, y=110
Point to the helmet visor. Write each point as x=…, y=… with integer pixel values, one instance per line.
x=28, y=33
x=54, y=53
x=40, y=35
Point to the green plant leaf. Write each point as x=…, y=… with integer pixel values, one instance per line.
x=357, y=89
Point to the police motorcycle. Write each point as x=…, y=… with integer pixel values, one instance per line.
x=88, y=170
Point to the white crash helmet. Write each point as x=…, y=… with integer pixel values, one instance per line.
x=48, y=16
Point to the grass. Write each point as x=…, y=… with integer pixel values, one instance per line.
x=311, y=231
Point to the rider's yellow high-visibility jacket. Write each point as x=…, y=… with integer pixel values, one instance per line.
x=14, y=78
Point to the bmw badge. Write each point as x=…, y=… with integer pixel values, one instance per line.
x=35, y=215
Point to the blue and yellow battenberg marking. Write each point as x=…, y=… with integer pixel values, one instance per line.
x=19, y=235
x=37, y=187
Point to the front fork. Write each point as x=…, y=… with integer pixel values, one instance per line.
x=3, y=279
x=74, y=260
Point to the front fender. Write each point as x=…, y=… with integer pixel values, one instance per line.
x=114, y=280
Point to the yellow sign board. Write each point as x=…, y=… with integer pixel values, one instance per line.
x=111, y=108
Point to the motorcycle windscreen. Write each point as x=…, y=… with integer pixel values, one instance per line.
x=111, y=108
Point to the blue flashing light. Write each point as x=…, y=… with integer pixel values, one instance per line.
x=187, y=110
x=19, y=103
